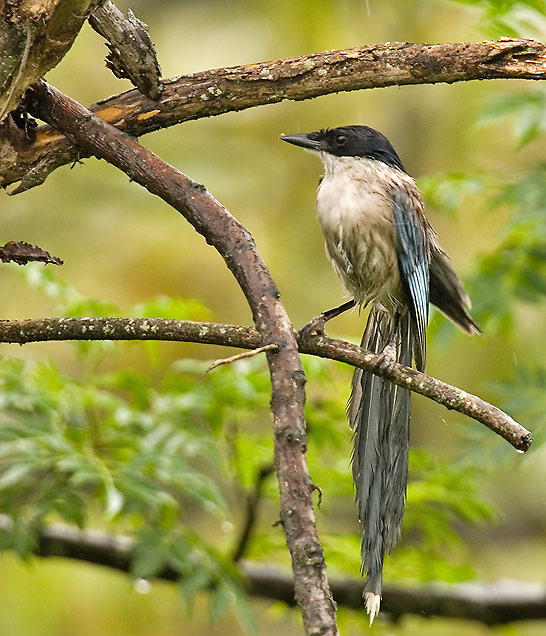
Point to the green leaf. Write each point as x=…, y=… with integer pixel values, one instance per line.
x=114, y=501
x=511, y=18
x=193, y=581
x=223, y=597
x=150, y=554
x=14, y=475
x=528, y=110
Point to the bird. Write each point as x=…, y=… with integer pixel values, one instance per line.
x=387, y=256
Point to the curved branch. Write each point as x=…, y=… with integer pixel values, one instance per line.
x=237, y=248
x=23, y=331
x=491, y=603
x=236, y=88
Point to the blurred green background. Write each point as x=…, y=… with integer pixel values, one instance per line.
x=124, y=246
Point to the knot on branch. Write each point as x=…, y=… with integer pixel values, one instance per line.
x=309, y=554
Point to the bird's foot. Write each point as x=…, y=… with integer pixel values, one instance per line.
x=386, y=360
x=315, y=327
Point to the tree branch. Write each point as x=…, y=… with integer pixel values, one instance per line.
x=236, y=88
x=491, y=603
x=495, y=603
x=237, y=248
x=132, y=52
x=23, y=331
x=251, y=511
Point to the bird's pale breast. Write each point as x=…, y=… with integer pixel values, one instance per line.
x=355, y=213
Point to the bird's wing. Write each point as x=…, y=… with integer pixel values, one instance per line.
x=413, y=260
x=447, y=292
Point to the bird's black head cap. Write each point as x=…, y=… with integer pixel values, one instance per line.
x=349, y=141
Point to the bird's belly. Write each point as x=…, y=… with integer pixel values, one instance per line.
x=367, y=266
x=358, y=227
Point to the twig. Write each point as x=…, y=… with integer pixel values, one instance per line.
x=240, y=356
x=237, y=248
x=491, y=603
x=224, y=90
x=23, y=331
x=252, y=502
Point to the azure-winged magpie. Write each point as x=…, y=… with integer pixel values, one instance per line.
x=387, y=255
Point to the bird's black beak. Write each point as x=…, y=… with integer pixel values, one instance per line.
x=303, y=140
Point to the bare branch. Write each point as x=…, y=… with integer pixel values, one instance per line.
x=132, y=52
x=23, y=331
x=236, y=88
x=52, y=329
x=450, y=396
x=237, y=248
x=491, y=603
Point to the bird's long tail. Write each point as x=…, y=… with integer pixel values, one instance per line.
x=379, y=413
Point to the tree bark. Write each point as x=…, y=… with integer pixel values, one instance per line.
x=34, y=36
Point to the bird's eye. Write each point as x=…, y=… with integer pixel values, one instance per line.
x=340, y=140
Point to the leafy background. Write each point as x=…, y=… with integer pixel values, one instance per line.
x=138, y=439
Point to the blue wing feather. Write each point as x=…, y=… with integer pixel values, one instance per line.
x=413, y=260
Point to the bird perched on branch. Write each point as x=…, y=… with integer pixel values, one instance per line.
x=387, y=256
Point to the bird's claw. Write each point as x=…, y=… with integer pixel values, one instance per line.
x=386, y=360
x=314, y=327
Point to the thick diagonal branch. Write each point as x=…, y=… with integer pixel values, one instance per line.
x=237, y=248
x=230, y=89
x=23, y=331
